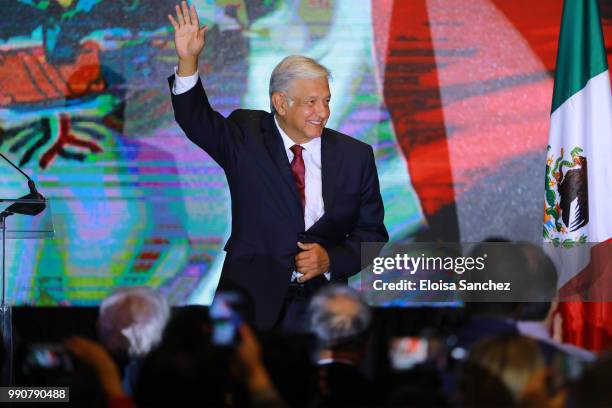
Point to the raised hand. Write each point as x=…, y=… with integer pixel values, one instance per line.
x=189, y=38
x=98, y=358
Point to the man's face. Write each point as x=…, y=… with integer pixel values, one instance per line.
x=305, y=118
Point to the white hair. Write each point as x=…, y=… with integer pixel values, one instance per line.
x=291, y=68
x=132, y=320
x=338, y=314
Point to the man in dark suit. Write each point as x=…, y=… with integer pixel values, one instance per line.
x=304, y=197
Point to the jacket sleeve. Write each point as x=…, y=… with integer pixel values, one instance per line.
x=219, y=137
x=346, y=257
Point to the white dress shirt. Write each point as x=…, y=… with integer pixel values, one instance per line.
x=183, y=84
x=313, y=189
x=311, y=154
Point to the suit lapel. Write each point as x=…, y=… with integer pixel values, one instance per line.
x=331, y=162
x=276, y=150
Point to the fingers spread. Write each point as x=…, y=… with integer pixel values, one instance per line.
x=194, y=16
x=179, y=16
x=186, y=12
x=203, y=30
x=173, y=22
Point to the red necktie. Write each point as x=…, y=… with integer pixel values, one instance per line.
x=298, y=169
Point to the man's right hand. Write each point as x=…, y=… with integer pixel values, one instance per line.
x=189, y=38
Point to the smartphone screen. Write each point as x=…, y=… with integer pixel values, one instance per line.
x=407, y=352
x=224, y=332
x=224, y=319
x=49, y=356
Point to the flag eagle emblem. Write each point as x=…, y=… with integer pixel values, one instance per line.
x=566, y=184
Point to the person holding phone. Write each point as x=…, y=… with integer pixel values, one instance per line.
x=304, y=197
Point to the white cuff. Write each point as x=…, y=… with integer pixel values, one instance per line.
x=295, y=275
x=183, y=84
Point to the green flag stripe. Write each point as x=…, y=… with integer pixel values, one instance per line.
x=581, y=53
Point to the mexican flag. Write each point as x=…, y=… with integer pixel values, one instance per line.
x=578, y=200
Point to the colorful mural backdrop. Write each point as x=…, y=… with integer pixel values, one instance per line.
x=453, y=95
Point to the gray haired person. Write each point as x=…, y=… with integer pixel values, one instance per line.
x=304, y=197
x=131, y=320
x=339, y=317
x=341, y=321
x=130, y=324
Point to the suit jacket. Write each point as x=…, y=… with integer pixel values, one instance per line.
x=267, y=215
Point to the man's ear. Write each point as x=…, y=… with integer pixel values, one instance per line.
x=280, y=103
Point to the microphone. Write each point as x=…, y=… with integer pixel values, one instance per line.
x=37, y=203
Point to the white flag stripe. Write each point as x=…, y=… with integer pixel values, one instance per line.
x=585, y=120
